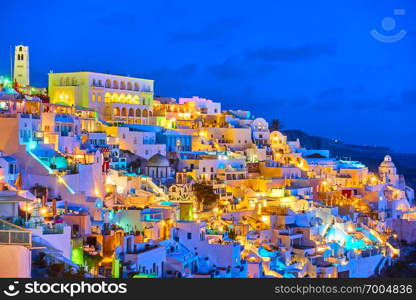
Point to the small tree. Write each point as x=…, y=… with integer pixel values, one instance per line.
x=92, y=261
x=232, y=234
x=275, y=125
x=204, y=194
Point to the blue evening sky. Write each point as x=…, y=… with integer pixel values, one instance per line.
x=312, y=64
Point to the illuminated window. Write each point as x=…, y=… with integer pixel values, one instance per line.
x=107, y=97
x=138, y=113
x=93, y=97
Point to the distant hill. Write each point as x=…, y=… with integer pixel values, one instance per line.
x=372, y=156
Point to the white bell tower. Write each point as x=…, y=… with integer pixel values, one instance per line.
x=21, y=65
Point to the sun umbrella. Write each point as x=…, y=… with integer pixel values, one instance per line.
x=19, y=181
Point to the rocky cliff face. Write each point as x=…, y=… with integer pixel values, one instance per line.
x=337, y=148
x=372, y=156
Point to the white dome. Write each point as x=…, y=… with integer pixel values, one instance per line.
x=387, y=162
x=158, y=160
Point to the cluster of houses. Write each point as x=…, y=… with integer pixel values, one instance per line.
x=100, y=178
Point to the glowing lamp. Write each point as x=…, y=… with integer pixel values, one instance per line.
x=43, y=211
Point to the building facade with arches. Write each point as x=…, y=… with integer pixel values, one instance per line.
x=115, y=98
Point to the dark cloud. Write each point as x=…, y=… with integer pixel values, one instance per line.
x=336, y=92
x=261, y=62
x=175, y=82
x=358, y=98
x=238, y=67
x=409, y=98
x=216, y=31
x=292, y=54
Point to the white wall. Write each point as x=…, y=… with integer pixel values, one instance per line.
x=15, y=261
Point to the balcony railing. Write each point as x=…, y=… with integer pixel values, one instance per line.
x=11, y=234
x=55, y=229
x=15, y=237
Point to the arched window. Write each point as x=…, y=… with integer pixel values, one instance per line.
x=99, y=98
x=129, y=86
x=114, y=97
x=150, y=113
x=115, y=84
x=116, y=111
x=145, y=113
x=122, y=98
x=131, y=112
x=136, y=86
x=107, y=97
x=108, y=83
x=93, y=97
x=138, y=113
x=124, y=112
x=122, y=85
